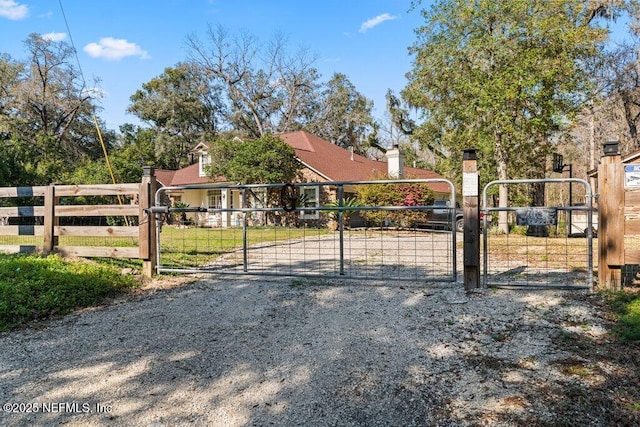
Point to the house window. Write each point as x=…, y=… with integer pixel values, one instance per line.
x=214, y=199
x=257, y=198
x=310, y=198
x=205, y=161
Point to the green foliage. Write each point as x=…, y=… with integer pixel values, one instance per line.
x=180, y=216
x=12, y=167
x=45, y=107
x=182, y=107
x=258, y=161
x=33, y=287
x=627, y=306
x=401, y=194
x=136, y=150
x=502, y=76
x=344, y=115
x=348, y=202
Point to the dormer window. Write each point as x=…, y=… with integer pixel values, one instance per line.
x=204, y=162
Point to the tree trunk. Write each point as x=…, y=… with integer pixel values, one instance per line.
x=503, y=193
x=629, y=118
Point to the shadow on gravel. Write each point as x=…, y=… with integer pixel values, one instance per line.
x=303, y=352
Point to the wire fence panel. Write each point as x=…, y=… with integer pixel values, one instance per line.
x=275, y=231
x=546, y=246
x=367, y=253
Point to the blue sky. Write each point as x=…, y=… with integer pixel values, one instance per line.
x=127, y=43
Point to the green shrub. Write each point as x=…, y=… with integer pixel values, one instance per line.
x=401, y=194
x=33, y=287
x=349, y=202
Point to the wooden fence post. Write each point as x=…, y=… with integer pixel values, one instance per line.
x=49, y=240
x=610, y=218
x=471, y=214
x=147, y=222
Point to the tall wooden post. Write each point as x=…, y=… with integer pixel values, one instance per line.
x=50, y=201
x=147, y=222
x=471, y=214
x=610, y=218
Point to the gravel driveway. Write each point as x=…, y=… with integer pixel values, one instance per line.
x=242, y=351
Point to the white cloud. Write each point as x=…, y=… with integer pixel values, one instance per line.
x=54, y=37
x=114, y=49
x=370, y=23
x=12, y=10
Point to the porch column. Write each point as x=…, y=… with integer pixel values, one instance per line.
x=225, y=217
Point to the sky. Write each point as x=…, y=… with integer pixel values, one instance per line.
x=127, y=43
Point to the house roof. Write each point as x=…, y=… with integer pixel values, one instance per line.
x=164, y=176
x=189, y=175
x=337, y=164
x=330, y=161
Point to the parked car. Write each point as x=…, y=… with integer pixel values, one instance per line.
x=440, y=216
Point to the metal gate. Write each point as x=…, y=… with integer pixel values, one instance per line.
x=547, y=246
x=306, y=229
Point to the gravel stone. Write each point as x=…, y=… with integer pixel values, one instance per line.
x=254, y=352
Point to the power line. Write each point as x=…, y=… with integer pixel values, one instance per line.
x=95, y=118
x=75, y=51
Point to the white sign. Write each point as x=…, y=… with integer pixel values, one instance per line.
x=470, y=186
x=632, y=176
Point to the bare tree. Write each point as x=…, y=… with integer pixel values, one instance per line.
x=267, y=90
x=624, y=77
x=52, y=98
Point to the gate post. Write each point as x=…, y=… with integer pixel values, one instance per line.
x=470, y=207
x=610, y=218
x=146, y=224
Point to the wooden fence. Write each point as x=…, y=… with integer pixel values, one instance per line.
x=51, y=211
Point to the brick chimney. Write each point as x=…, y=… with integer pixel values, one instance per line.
x=395, y=162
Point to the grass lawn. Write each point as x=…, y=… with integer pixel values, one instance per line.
x=191, y=247
x=181, y=247
x=626, y=305
x=540, y=251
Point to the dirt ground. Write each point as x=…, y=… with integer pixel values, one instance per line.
x=244, y=351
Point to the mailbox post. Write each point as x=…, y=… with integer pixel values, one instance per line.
x=471, y=214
